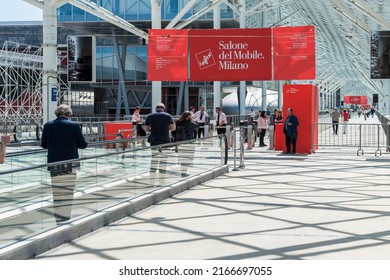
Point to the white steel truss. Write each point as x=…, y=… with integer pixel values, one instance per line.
x=21, y=84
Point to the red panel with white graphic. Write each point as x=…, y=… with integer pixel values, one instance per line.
x=168, y=55
x=294, y=53
x=230, y=54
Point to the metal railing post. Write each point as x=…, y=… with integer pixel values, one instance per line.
x=271, y=132
x=249, y=137
x=228, y=134
x=242, y=141
x=206, y=131
x=234, y=150
x=378, y=147
x=360, y=141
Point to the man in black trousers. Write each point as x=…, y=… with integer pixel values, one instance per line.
x=290, y=131
x=62, y=138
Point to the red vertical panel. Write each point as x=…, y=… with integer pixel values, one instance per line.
x=294, y=53
x=303, y=99
x=230, y=54
x=168, y=55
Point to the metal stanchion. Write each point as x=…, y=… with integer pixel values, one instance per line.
x=242, y=141
x=234, y=151
x=360, y=142
x=134, y=133
x=249, y=137
x=378, y=147
x=271, y=132
x=228, y=134
x=206, y=130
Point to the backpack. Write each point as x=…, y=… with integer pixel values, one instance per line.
x=181, y=134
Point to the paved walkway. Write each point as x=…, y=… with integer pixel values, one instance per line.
x=328, y=205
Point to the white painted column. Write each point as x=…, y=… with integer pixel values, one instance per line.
x=242, y=94
x=217, y=84
x=49, y=70
x=264, y=83
x=280, y=95
x=386, y=92
x=156, y=85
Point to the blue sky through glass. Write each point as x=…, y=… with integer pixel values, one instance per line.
x=18, y=10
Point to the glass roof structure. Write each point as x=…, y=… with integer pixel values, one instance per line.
x=343, y=32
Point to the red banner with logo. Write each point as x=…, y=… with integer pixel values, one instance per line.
x=294, y=53
x=168, y=55
x=355, y=100
x=230, y=54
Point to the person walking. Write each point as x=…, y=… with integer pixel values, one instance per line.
x=335, y=115
x=62, y=138
x=290, y=131
x=5, y=140
x=185, y=128
x=201, y=117
x=136, y=119
x=262, y=127
x=221, y=121
x=345, y=119
x=159, y=124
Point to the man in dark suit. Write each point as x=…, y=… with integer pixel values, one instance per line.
x=290, y=131
x=62, y=138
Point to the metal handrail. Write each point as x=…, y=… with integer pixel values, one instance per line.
x=115, y=152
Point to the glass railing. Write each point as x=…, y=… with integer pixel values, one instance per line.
x=109, y=173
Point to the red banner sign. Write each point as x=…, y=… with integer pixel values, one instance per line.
x=294, y=53
x=355, y=100
x=168, y=55
x=230, y=54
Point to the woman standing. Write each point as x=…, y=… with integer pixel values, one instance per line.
x=136, y=119
x=262, y=127
x=185, y=128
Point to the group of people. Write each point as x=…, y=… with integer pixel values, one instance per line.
x=63, y=137
x=345, y=115
x=336, y=115
x=290, y=128
x=366, y=112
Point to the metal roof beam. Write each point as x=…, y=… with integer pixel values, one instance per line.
x=35, y=3
x=181, y=13
x=343, y=11
x=58, y=3
x=367, y=10
x=108, y=16
x=257, y=8
x=198, y=14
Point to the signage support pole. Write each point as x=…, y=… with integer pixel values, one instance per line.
x=387, y=93
x=49, y=60
x=242, y=92
x=156, y=85
x=217, y=84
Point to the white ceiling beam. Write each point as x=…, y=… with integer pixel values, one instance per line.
x=285, y=18
x=181, y=13
x=259, y=8
x=35, y=3
x=343, y=11
x=108, y=16
x=198, y=14
x=233, y=7
x=367, y=10
x=58, y=3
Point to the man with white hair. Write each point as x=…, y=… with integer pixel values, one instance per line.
x=62, y=138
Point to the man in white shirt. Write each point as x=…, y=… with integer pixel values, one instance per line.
x=252, y=114
x=200, y=117
x=221, y=121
